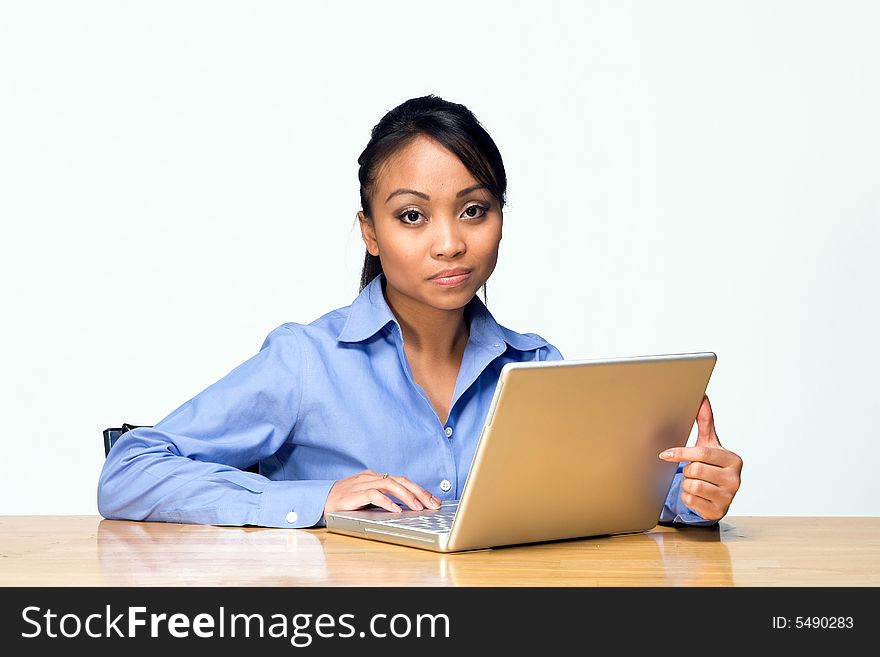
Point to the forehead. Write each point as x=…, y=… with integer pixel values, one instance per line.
x=424, y=165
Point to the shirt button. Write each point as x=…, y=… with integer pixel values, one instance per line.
x=449, y=432
x=445, y=485
x=291, y=517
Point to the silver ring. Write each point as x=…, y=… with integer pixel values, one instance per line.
x=385, y=476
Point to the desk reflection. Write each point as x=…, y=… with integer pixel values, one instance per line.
x=159, y=554
x=688, y=557
x=153, y=553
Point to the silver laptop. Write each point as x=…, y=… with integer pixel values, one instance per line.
x=568, y=450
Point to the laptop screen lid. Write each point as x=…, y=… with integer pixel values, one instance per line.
x=570, y=448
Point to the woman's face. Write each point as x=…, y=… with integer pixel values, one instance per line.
x=430, y=214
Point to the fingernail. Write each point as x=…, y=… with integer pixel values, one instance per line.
x=435, y=502
x=419, y=506
x=397, y=509
x=666, y=455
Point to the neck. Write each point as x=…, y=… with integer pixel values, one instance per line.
x=431, y=333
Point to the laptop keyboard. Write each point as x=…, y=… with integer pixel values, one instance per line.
x=435, y=522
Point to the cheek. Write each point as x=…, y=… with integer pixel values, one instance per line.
x=486, y=250
x=401, y=249
x=489, y=241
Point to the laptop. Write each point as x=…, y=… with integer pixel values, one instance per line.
x=568, y=449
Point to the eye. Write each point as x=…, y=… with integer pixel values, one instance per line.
x=483, y=210
x=403, y=216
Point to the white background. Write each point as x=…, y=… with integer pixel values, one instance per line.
x=179, y=178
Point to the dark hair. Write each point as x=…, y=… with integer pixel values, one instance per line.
x=452, y=125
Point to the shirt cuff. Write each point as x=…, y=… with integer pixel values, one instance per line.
x=293, y=504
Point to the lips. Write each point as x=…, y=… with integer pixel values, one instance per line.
x=446, y=279
x=451, y=273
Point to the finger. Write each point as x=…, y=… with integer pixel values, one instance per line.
x=702, y=489
x=706, y=508
x=707, y=472
x=717, y=485
x=394, y=487
x=719, y=496
x=377, y=498
x=706, y=435
x=424, y=496
x=711, y=455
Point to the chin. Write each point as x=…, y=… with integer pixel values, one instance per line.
x=452, y=298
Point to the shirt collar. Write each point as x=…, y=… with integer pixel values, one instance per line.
x=369, y=313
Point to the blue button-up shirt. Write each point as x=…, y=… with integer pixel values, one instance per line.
x=318, y=403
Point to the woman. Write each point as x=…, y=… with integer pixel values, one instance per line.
x=399, y=382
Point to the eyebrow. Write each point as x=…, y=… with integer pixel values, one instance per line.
x=403, y=190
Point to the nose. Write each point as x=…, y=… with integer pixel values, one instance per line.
x=448, y=238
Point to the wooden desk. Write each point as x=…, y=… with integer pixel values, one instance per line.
x=751, y=551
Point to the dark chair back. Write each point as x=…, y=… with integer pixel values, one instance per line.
x=112, y=434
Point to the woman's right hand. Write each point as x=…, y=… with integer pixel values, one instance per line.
x=369, y=487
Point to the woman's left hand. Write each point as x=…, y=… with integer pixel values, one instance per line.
x=712, y=477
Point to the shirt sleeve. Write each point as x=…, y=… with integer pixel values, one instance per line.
x=677, y=512
x=189, y=467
